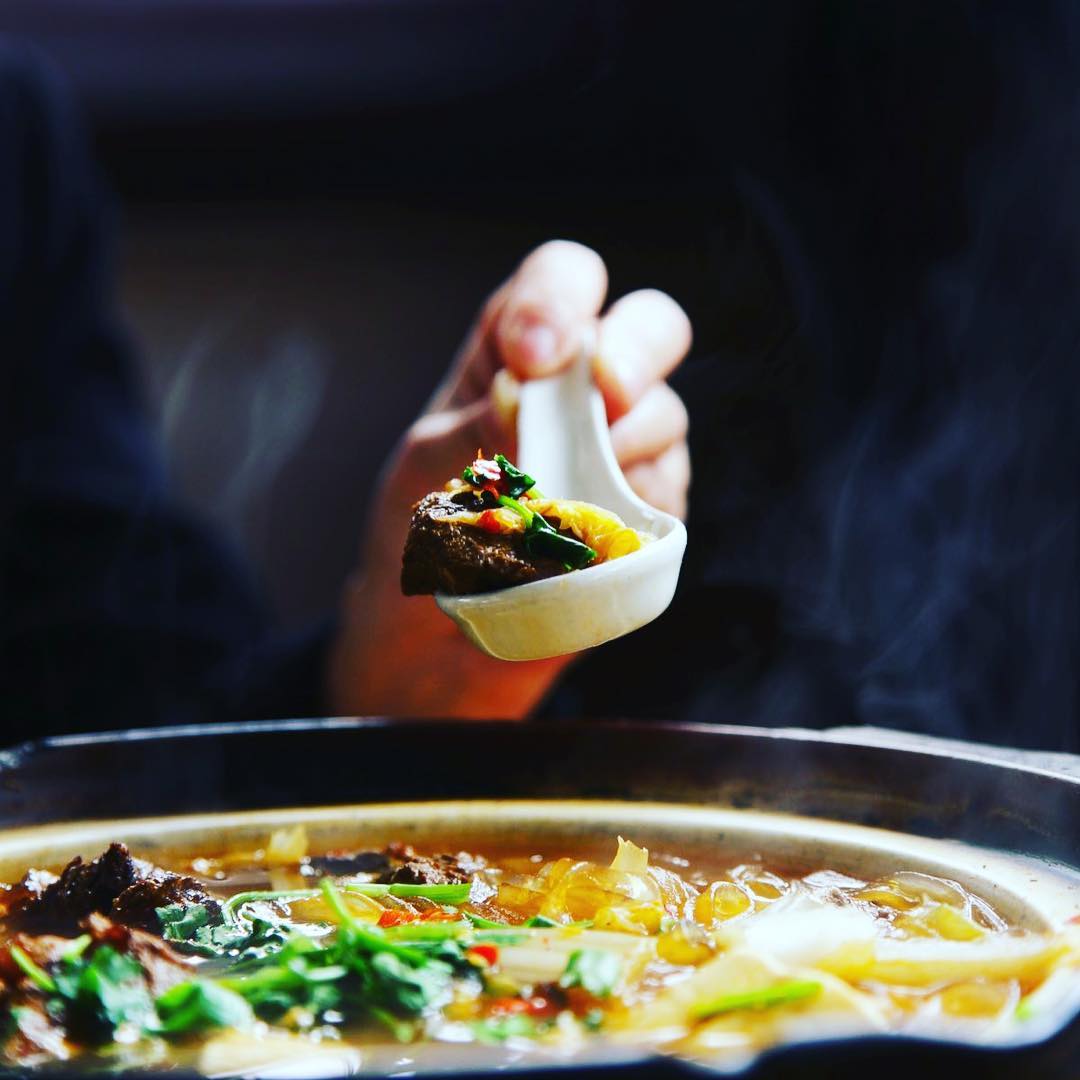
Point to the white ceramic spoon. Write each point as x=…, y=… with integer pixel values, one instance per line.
x=563, y=441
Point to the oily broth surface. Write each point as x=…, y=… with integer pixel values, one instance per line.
x=759, y=879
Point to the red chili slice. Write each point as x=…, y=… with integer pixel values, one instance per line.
x=395, y=917
x=488, y=953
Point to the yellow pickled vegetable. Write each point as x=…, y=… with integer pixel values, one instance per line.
x=721, y=901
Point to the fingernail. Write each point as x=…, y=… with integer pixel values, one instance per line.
x=536, y=343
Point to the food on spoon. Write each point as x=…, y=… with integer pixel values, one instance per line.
x=252, y=959
x=491, y=529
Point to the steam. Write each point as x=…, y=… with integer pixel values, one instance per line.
x=253, y=416
x=943, y=561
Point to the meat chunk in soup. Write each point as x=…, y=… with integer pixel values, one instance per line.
x=115, y=883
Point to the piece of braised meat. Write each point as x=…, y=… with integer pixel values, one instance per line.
x=459, y=559
x=413, y=869
x=115, y=884
x=344, y=863
x=398, y=864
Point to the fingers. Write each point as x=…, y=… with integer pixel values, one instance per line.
x=654, y=424
x=664, y=481
x=642, y=338
x=533, y=324
x=555, y=293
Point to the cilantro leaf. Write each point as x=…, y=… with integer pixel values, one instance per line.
x=191, y=928
x=404, y=988
x=517, y=482
x=180, y=921
x=199, y=1005
x=103, y=992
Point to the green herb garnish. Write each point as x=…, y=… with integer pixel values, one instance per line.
x=101, y=993
x=364, y=971
x=541, y=921
x=32, y=970
x=594, y=970
x=497, y=1029
x=429, y=931
x=191, y=928
x=517, y=482
x=439, y=894
x=542, y=540
x=486, y=924
x=782, y=994
x=404, y=1031
x=198, y=1006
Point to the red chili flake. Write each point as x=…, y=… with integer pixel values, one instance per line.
x=396, y=917
x=488, y=953
x=537, y=1005
x=489, y=522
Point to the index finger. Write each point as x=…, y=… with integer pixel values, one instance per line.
x=532, y=325
x=545, y=307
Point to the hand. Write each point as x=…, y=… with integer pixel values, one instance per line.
x=400, y=655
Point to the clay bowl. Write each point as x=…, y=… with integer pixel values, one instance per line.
x=1006, y=831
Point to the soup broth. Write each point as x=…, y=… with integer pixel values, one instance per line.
x=366, y=940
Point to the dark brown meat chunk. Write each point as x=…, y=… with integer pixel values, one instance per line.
x=17, y=897
x=137, y=905
x=398, y=864
x=343, y=863
x=440, y=870
x=412, y=869
x=81, y=888
x=114, y=883
x=458, y=559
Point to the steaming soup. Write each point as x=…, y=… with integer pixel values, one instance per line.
x=240, y=957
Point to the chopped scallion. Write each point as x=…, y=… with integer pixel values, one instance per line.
x=769, y=997
x=33, y=971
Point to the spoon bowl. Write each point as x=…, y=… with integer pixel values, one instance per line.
x=563, y=441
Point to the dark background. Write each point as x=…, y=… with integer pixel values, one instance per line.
x=867, y=211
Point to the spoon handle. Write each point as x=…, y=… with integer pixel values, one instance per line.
x=563, y=439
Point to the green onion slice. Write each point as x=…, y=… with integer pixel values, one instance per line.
x=784, y=993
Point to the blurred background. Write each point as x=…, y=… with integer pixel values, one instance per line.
x=865, y=209
x=315, y=199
